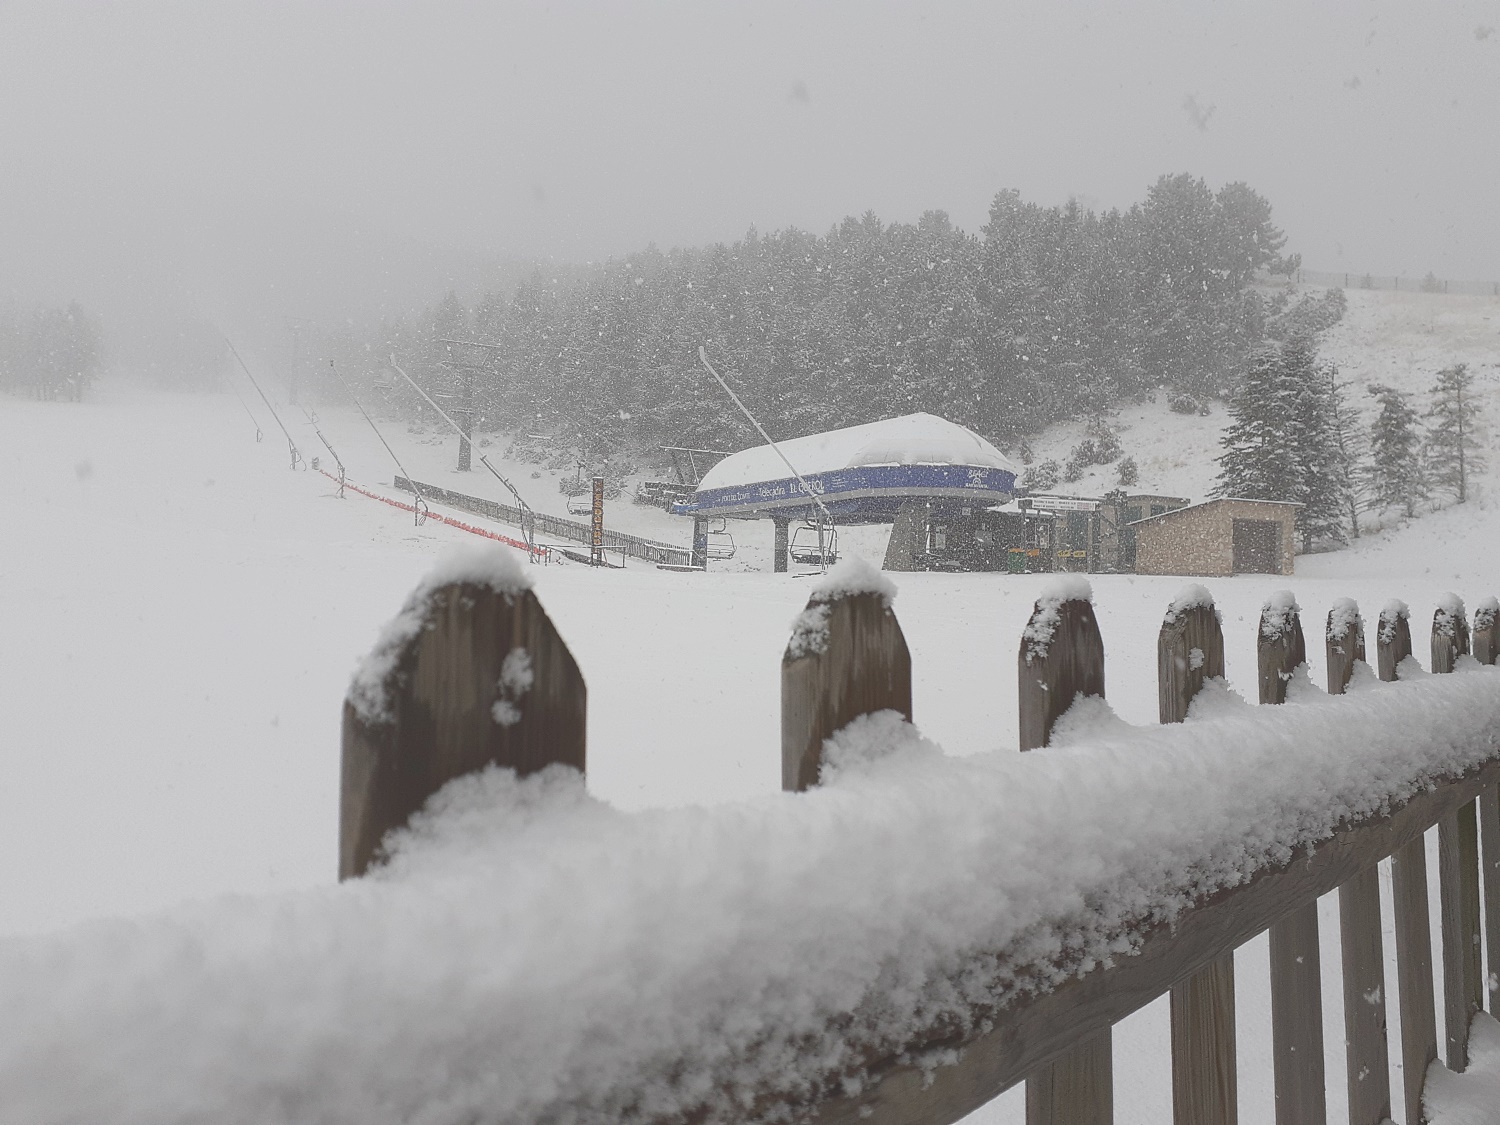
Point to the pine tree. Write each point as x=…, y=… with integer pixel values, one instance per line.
x=1349, y=443
x=1320, y=477
x=1258, y=462
x=1395, y=474
x=1451, y=448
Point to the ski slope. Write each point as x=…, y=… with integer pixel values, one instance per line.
x=180, y=614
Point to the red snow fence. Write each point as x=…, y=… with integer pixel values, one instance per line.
x=1178, y=844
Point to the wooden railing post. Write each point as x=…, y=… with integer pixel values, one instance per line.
x=1450, y=634
x=1489, y=818
x=1485, y=641
x=847, y=657
x=1296, y=973
x=1392, y=638
x=1366, y=1052
x=1413, y=972
x=471, y=674
x=1458, y=871
x=1190, y=650
x=1061, y=658
x=1344, y=643
x=1486, y=647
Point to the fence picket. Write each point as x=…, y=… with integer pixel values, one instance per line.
x=1392, y=639
x=1489, y=818
x=1413, y=971
x=1190, y=650
x=456, y=698
x=1485, y=641
x=1366, y=1053
x=1296, y=994
x=1344, y=643
x=847, y=657
x=1450, y=636
x=1062, y=657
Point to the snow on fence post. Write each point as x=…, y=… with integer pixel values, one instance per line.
x=1296, y=976
x=847, y=657
x=1062, y=657
x=1361, y=944
x=1450, y=634
x=1190, y=650
x=1484, y=637
x=1458, y=870
x=471, y=673
x=1344, y=643
x=1392, y=638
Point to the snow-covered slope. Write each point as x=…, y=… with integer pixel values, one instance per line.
x=1401, y=339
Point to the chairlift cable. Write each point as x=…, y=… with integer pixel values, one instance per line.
x=290, y=441
x=528, y=517
x=816, y=499
x=422, y=507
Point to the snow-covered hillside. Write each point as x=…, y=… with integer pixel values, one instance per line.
x=1397, y=338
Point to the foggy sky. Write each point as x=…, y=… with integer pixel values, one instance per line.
x=321, y=157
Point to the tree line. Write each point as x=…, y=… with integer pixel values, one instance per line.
x=51, y=352
x=1295, y=435
x=1045, y=314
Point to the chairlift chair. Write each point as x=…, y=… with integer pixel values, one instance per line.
x=806, y=548
x=720, y=542
x=581, y=503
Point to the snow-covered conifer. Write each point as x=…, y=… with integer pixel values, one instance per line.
x=1451, y=447
x=1395, y=477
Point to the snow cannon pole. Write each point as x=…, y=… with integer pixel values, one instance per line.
x=291, y=444
x=528, y=517
x=421, y=507
x=745, y=410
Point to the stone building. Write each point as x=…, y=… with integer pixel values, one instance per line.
x=1217, y=538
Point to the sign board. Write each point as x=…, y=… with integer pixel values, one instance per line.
x=1061, y=504
x=597, y=557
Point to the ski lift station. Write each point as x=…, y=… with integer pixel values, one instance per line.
x=862, y=474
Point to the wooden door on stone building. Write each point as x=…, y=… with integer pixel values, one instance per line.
x=1257, y=547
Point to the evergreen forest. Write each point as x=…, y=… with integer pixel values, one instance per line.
x=1046, y=313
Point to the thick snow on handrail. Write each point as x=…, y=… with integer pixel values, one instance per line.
x=533, y=954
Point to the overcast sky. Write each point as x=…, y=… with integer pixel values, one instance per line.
x=315, y=146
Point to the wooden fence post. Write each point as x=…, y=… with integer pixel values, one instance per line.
x=1489, y=816
x=1366, y=1053
x=847, y=657
x=1458, y=871
x=471, y=674
x=1486, y=647
x=1450, y=634
x=1296, y=973
x=1344, y=641
x=1190, y=650
x=1061, y=658
x=1486, y=643
x=1392, y=638
x=1413, y=971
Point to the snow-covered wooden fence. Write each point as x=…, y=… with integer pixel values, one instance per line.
x=473, y=673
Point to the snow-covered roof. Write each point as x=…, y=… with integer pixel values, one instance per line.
x=1215, y=500
x=913, y=439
